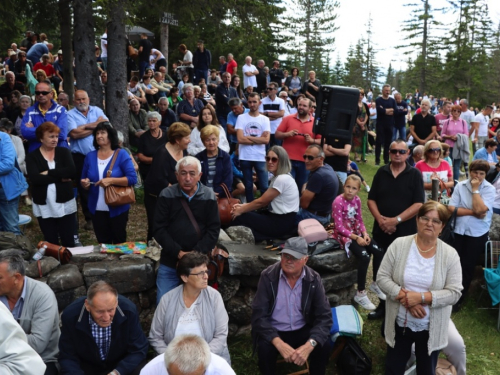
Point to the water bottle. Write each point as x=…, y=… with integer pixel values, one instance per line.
x=40, y=253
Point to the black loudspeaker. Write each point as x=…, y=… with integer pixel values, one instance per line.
x=336, y=112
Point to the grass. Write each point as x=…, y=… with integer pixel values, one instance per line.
x=477, y=326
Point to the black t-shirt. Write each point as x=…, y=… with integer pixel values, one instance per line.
x=162, y=172
x=338, y=163
x=423, y=125
x=148, y=146
x=146, y=50
x=324, y=183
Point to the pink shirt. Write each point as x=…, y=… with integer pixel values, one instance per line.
x=452, y=127
x=443, y=171
x=440, y=119
x=347, y=218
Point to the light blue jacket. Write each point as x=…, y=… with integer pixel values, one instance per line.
x=482, y=154
x=11, y=178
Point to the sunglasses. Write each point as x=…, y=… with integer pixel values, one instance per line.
x=310, y=157
x=42, y=93
x=434, y=150
x=395, y=151
x=456, y=110
x=270, y=88
x=271, y=159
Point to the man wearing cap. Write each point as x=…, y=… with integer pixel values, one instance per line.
x=290, y=312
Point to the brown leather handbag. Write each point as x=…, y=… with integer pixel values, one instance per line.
x=226, y=206
x=61, y=253
x=117, y=195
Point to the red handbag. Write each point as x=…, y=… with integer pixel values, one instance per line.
x=225, y=205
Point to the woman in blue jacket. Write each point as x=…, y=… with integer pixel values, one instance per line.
x=216, y=165
x=110, y=223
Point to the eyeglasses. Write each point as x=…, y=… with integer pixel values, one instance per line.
x=434, y=150
x=201, y=274
x=395, y=151
x=425, y=220
x=272, y=159
x=290, y=258
x=310, y=157
x=42, y=93
x=270, y=88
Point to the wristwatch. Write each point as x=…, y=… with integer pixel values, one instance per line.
x=399, y=219
x=475, y=192
x=313, y=343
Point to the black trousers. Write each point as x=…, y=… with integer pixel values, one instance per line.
x=267, y=226
x=384, y=136
x=268, y=353
x=397, y=357
x=362, y=254
x=469, y=249
x=51, y=368
x=59, y=227
x=79, y=159
x=110, y=230
x=150, y=205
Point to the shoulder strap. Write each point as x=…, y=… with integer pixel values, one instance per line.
x=191, y=217
x=108, y=174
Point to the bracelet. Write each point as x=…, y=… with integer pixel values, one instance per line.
x=423, y=297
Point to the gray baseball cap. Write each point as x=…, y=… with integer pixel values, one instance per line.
x=296, y=247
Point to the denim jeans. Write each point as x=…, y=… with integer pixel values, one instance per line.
x=299, y=173
x=402, y=132
x=342, y=176
x=142, y=68
x=260, y=168
x=9, y=214
x=304, y=214
x=166, y=280
x=199, y=74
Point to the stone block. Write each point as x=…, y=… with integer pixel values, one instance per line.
x=127, y=276
x=148, y=298
x=339, y=281
x=333, y=261
x=241, y=234
x=228, y=286
x=239, y=312
x=245, y=330
x=250, y=281
x=233, y=328
x=81, y=259
x=333, y=299
x=65, y=277
x=47, y=264
x=66, y=297
x=223, y=237
x=134, y=298
x=249, y=259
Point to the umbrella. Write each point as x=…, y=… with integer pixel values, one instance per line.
x=134, y=33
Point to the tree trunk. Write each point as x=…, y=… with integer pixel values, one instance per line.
x=67, y=48
x=164, y=41
x=424, y=48
x=116, y=93
x=87, y=74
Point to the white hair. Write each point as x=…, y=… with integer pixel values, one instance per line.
x=426, y=101
x=188, y=160
x=189, y=353
x=187, y=86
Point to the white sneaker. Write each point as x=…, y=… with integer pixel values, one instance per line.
x=367, y=188
x=362, y=299
x=375, y=289
x=28, y=201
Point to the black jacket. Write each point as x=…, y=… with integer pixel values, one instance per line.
x=223, y=171
x=174, y=231
x=202, y=60
x=222, y=96
x=315, y=306
x=65, y=168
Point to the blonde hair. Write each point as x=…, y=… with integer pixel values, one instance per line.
x=354, y=178
x=208, y=130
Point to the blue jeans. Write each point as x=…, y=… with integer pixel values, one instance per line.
x=9, y=214
x=223, y=121
x=342, y=176
x=402, y=132
x=142, y=68
x=260, y=168
x=304, y=214
x=496, y=211
x=199, y=74
x=166, y=280
x=456, y=168
x=104, y=63
x=299, y=173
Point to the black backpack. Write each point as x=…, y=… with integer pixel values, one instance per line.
x=353, y=360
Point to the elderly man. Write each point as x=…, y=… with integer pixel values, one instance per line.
x=168, y=117
x=82, y=120
x=44, y=109
x=223, y=94
x=10, y=85
x=158, y=83
x=102, y=335
x=63, y=101
x=20, y=67
x=416, y=155
x=187, y=355
x=290, y=312
x=396, y=195
x=137, y=122
x=321, y=188
x=312, y=86
x=249, y=73
x=237, y=108
x=33, y=304
x=174, y=229
x=261, y=77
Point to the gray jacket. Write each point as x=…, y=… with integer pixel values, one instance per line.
x=40, y=319
x=461, y=149
x=211, y=314
x=446, y=289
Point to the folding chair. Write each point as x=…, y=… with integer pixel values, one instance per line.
x=491, y=259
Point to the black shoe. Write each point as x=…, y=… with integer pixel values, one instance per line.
x=377, y=163
x=379, y=312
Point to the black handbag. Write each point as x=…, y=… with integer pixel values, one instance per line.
x=448, y=232
x=353, y=360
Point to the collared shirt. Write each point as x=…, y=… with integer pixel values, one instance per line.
x=75, y=119
x=191, y=197
x=296, y=145
x=18, y=307
x=462, y=198
x=102, y=337
x=287, y=314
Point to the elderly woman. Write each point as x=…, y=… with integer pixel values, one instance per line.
x=488, y=152
x=51, y=171
x=189, y=109
x=24, y=104
x=109, y=222
x=137, y=122
x=162, y=172
x=451, y=127
x=191, y=308
x=212, y=157
x=149, y=142
x=432, y=166
x=282, y=196
x=420, y=274
x=473, y=199
x=207, y=117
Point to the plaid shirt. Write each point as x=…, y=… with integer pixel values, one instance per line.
x=102, y=337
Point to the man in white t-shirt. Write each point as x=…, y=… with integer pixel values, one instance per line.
x=273, y=108
x=253, y=133
x=468, y=116
x=104, y=50
x=480, y=125
x=249, y=73
x=187, y=355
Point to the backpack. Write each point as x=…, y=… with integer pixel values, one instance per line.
x=353, y=360
x=9, y=240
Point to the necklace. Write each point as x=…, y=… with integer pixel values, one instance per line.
x=423, y=251
x=159, y=134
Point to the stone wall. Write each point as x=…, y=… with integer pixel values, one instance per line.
x=134, y=276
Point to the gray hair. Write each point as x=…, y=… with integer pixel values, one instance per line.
x=188, y=160
x=386, y=85
x=284, y=165
x=188, y=352
x=464, y=101
x=157, y=74
x=10, y=73
x=234, y=102
x=120, y=136
x=187, y=86
x=14, y=260
x=155, y=115
x=426, y=101
x=100, y=286
x=162, y=99
x=418, y=150
x=25, y=97
x=134, y=100
x=321, y=153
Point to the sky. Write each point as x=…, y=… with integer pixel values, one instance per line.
x=387, y=19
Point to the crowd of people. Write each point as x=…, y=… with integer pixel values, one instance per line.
x=205, y=128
